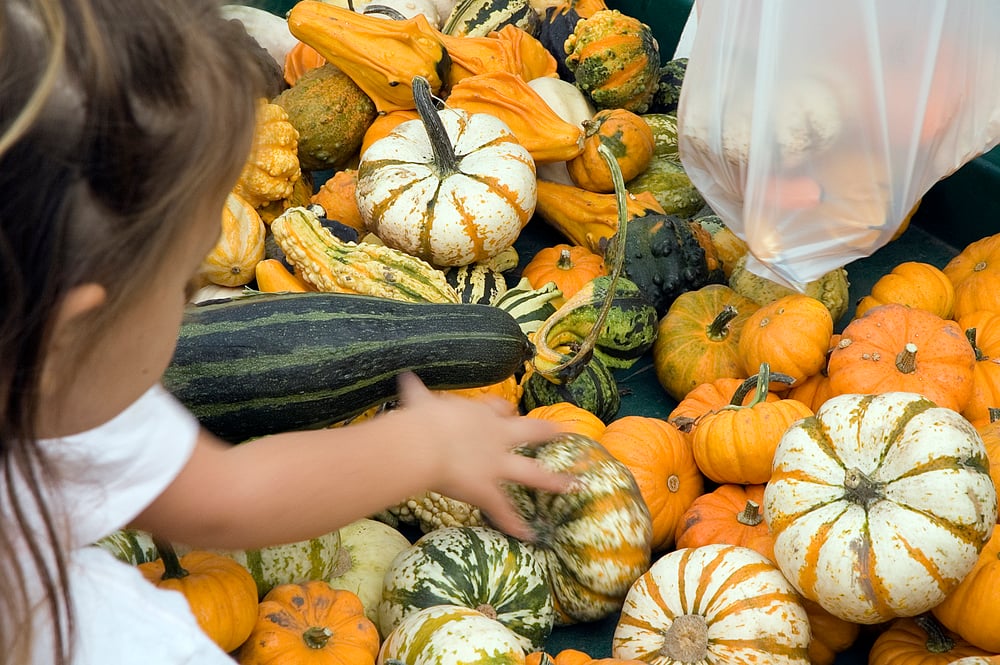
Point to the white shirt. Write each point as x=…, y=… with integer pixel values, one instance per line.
x=108, y=475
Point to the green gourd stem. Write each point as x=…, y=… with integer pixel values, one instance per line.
x=719, y=327
x=760, y=383
x=444, y=151
x=316, y=637
x=568, y=370
x=970, y=334
x=391, y=12
x=172, y=568
x=937, y=639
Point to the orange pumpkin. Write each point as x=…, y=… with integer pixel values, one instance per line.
x=791, y=334
x=982, y=329
x=336, y=196
x=630, y=139
x=508, y=390
x=698, y=338
x=240, y=246
x=310, y=623
x=729, y=514
x=660, y=459
x=707, y=398
x=570, y=418
x=574, y=657
x=914, y=284
x=383, y=124
x=816, y=389
x=830, y=634
x=300, y=59
x=898, y=348
x=919, y=640
x=990, y=433
x=569, y=266
x=220, y=591
x=736, y=443
x=971, y=609
x=975, y=273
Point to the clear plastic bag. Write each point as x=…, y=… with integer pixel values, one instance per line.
x=814, y=127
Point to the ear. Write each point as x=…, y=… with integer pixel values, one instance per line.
x=80, y=300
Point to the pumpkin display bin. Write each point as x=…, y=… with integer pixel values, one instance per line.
x=958, y=210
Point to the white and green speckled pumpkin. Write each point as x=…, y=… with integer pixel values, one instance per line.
x=451, y=635
x=451, y=187
x=713, y=605
x=595, y=539
x=476, y=567
x=879, y=505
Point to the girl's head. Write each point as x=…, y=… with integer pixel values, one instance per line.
x=121, y=126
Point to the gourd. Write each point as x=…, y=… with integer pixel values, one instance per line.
x=273, y=277
x=888, y=484
x=697, y=340
x=706, y=398
x=367, y=548
x=510, y=49
x=310, y=622
x=570, y=267
x=664, y=128
x=914, y=284
x=570, y=418
x=335, y=266
x=129, y=546
x=220, y=592
x=920, y=639
x=973, y=272
x=272, y=169
x=299, y=60
x=713, y=604
x=452, y=189
x=615, y=59
x=336, y=196
x=667, y=181
x=557, y=24
x=832, y=289
x=478, y=18
x=728, y=246
x=667, y=97
x=659, y=457
x=475, y=567
x=731, y=515
x=452, y=635
x=982, y=329
x=382, y=57
x=330, y=113
x=969, y=609
x=628, y=137
x=278, y=362
x=240, y=246
x=432, y=510
x=791, y=334
x=594, y=539
x=594, y=389
x=529, y=306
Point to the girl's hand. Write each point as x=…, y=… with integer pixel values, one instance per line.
x=474, y=442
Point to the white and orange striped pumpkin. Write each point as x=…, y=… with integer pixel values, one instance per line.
x=714, y=604
x=452, y=635
x=595, y=539
x=240, y=247
x=451, y=188
x=879, y=505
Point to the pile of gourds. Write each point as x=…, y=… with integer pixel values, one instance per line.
x=811, y=484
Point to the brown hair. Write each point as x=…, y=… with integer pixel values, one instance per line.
x=117, y=121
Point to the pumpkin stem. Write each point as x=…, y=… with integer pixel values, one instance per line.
x=686, y=641
x=172, y=568
x=994, y=413
x=760, y=383
x=937, y=638
x=970, y=334
x=719, y=327
x=861, y=489
x=565, y=260
x=316, y=637
x=906, y=361
x=444, y=151
x=750, y=515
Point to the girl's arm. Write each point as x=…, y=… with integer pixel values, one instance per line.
x=295, y=486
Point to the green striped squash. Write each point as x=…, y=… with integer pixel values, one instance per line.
x=476, y=567
x=477, y=283
x=594, y=540
x=529, y=306
x=478, y=18
x=451, y=635
x=289, y=361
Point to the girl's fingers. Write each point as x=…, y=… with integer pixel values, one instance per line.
x=526, y=471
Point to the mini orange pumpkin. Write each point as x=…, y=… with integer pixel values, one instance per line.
x=707, y=398
x=990, y=432
x=336, y=196
x=273, y=277
x=509, y=390
x=982, y=329
x=970, y=610
x=569, y=266
x=975, y=273
x=914, y=284
x=574, y=657
x=628, y=136
x=791, y=334
x=729, y=514
x=816, y=389
x=570, y=418
x=922, y=640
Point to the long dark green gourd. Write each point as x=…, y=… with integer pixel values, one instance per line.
x=269, y=363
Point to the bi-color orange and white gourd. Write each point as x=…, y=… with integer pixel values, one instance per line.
x=879, y=505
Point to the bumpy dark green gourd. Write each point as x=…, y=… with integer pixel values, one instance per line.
x=594, y=389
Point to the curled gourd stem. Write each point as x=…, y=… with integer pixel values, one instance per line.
x=760, y=383
x=172, y=568
x=937, y=639
x=719, y=327
x=444, y=151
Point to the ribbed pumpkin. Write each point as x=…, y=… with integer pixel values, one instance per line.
x=240, y=246
x=570, y=418
x=831, y=635
x=729, y=514
x=630, y=140
x=452, y=635
x=310, y=623
x=920, y=641
x=914, y=284
x=816, y=389
x=990, y=433
x=715, y=604
x=660, y=459
x=975, y=273
x=336, y=195
x=569, y=266
x=452, y=188
x=970, y=610
x=898, y=348
x=697, y=340
x=879, y=505
x=594, y=540
x=708, y=397
x=574, y=657
x=982, y=329
x=475, y=567
x=791, y=334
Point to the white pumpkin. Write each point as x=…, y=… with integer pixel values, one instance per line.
x=879, y=505
x=367, y=548
x=451, y=188
x=452, y=635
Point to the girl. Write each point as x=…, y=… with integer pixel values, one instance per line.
x=122, y=129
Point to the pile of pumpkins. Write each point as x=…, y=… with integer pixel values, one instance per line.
x=808, y=483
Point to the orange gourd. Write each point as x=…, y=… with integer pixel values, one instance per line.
x=570, y=418
x=630, y=139
x=508, y=390
x=697, y=340
x=729, y=514
x=971, y=609
x=897, y=348
x=272, y=170
x=816, y=389
x=914, y=284
x=273, y=277
x=975, y=273
x=736, y=443
x=310, y=623
x=660, y=459
x=336, y=196
x=791, y=334
x=982, y=329
x=383, y=124
x=919, y=640
x=574, y=657
x=707, y=398
x=990, y=433
x=240, y=246
x=510, y=49
x=830, y=634
x=569, y=266
x=300, y=59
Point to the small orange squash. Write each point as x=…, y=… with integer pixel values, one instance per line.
x=707, y=398
x=914, y=284
x=300, y=59
x=628, y=136
x=569, y=266
x=336, y=196
x=990, y=433
x=816, y=389
x=240, y=247
x=982, y=329
x=919, y=640
x=975, y=273
x=274, y=277
x=729, y=514
x=574, y=657
x=791, y=334
x=570, y=418
x=971, y=609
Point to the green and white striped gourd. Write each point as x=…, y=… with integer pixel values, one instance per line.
x=478, y=18
x=529, y=306
x=475, y=567
x=130, y=546
x=452, y=635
